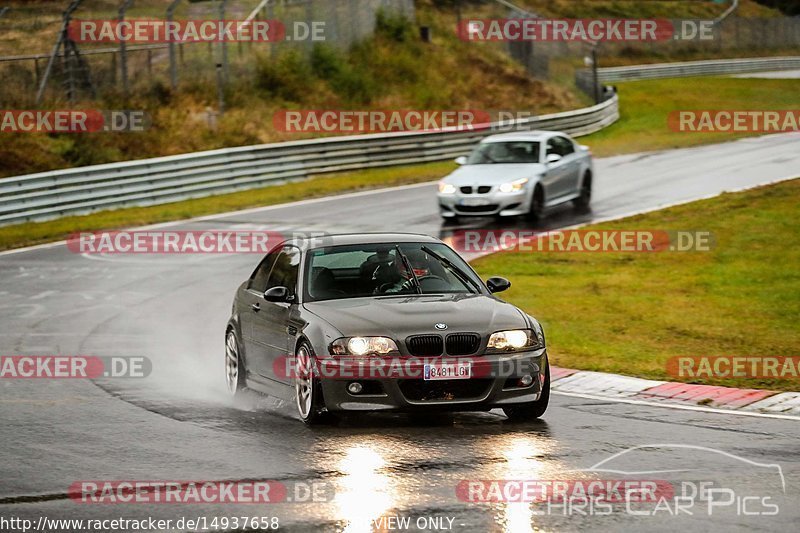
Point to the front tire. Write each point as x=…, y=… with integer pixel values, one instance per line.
x=531, y=410
x=308, y=391
x=536, y=211
x=234, y=370
x=582, y=202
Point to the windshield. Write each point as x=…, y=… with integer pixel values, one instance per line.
x=504, y=152
x=354, y=271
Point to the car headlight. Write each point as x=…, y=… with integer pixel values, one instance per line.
x=446, y=188
x=513, y=186
x=514, y=340
x=361, y=346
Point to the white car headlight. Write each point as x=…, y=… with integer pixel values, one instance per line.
x=360, y=346
x=513, y=340
x=446, y=188
x=513, y=186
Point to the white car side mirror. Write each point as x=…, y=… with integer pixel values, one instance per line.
x=461, y=160
x=553, y=158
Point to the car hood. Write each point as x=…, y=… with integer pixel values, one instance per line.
x=493, y=174
x=399, y=317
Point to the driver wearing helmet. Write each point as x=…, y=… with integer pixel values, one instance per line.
x=396, y=278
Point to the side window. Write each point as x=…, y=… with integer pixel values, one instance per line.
x=566, y=146
x=284, y=273
x=258, y=281
x=552, y=148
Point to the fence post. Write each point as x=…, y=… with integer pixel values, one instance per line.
x=220, y=90
x=270, y=17
x=62, y=34
x=123, y=58
x=173, y=68
x=595, y=80
x=223, y=42
x=309, y=20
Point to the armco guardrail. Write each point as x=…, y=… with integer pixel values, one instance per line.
x=695, y=68
x=167, y=179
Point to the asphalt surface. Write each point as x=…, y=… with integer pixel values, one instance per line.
x=178, y=424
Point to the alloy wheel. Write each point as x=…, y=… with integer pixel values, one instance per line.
x=303, y=383
x=231, y=363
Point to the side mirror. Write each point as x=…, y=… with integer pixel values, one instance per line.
x=278, y=294
x=553, y=158
x=461, y=160
x=497, y=284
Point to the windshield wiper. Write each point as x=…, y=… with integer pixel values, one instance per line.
x=409, y=268
x=454, y=269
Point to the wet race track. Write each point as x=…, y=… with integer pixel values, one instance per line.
x=179, y=424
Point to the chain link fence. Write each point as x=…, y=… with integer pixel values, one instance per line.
x=110, y=71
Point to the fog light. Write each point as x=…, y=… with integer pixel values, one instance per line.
x=355, y=387
x=526, y=380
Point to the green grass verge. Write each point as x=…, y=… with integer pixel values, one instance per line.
x=645, y=105
x=37, y=232
x=628, y=313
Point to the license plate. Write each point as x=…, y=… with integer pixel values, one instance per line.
x=459, y=370
x=474, y=202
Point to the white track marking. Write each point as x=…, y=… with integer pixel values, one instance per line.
x=675, y=406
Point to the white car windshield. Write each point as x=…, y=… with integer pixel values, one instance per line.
x=505, y=152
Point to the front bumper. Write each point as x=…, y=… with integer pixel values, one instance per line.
x=495, y=383
x=492, y=203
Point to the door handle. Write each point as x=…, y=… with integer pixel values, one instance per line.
x=255, y=307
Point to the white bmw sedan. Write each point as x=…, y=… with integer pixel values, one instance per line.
x=520, y=173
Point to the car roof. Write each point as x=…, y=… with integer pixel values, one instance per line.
x=533, y=135
x=343, y=239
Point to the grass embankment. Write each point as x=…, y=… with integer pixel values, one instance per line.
x=639, y=9
x=393, y=69
x=645, y=105
x=629, y=313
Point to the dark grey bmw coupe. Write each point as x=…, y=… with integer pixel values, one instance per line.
x=372, y=322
